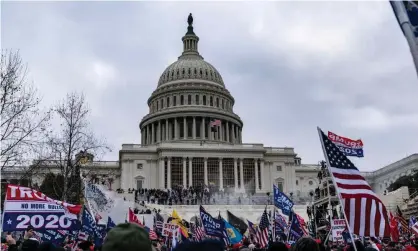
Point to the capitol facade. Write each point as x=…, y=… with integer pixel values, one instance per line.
x=192, y=136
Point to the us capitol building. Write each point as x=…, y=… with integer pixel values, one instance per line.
x=193, y=136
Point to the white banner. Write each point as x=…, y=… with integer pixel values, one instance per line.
x=337, y=226
x=168, y=229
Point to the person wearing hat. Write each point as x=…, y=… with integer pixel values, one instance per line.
x=127, y=237
x=30, y=243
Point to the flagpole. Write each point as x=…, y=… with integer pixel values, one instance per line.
x=405, y=24
x=336, y=190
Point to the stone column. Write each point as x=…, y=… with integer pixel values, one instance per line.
x=169, y=172
x=202, y=129
x=161, y=171
x=184, y=172
x=148, y=135
x=210, y=136
x=221, y=181
x=227, y=131
x=159, y=131
x=256, y=175
x=206, y=171
x=221, y=132
x=194, y=128
x=236, y=175
x=166, y=130
x=190, y=172
x=262, y=173
x=176, y=133
x=233, y=134
x=152, y=134
x=241, y=170
x=185, y=128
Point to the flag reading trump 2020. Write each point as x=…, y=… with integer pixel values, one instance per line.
x=212, y=226
x=24, y=206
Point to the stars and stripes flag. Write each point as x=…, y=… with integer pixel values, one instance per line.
x=153, y=235
x=215, y=122
x=365, y=212
x=413, y=224
x=406, y=13
x=199, y=231
x=403, y=223
x=263, y=230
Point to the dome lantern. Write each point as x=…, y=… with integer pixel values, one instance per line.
x=190, y=42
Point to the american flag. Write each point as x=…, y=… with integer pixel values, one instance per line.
x=199, y=231
x=263, y=230
x=365, y=212
x=215, y=122
x=153, y=235
x=403, y=223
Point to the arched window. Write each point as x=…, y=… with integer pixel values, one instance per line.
x=168, y=101
x=223, y=104
x=211, y=101
x=181, y=100
x=197, y=99
x=189, y=99
x=174, y=100
x=204, y=99
x=217, y=102
x=162, y=103
x=158, y=105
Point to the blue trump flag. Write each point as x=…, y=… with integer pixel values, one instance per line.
x=89, y=223
x=233, y=234
x=295, y=230
x=282, y=201
x=212, y=226
x=100, y=235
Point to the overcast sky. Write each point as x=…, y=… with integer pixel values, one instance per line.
x=345, y=67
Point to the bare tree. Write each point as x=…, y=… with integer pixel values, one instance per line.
x=72, y=143
x=23, y=125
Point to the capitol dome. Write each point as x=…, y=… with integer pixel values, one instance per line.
x=191, y=102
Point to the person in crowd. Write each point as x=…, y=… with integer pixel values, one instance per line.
x=46, y=246
x=127, y=237
x=306, y=244
x=206, y=245
x=245, y=245
x=30, y=243
x=277, y=246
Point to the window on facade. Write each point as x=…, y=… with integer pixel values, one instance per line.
x=197, y=99
x=181, y=128
x=297, y=182
x=168, y=101
x=174, y=100
x=189, y=122
x=139, y=166
x=162, y=103
x=189, y=99
x=217, y=102
x=158, y=104
x=279, y=168
x=198, y=126
x=211, y=101
x=223, y=104
x=280, y=186
x=181, y=100
x=204, y=100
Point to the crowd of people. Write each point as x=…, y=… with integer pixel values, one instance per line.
x=193, y=195
x=131, y=237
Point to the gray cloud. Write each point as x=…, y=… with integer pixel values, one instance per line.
x=290, y=66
